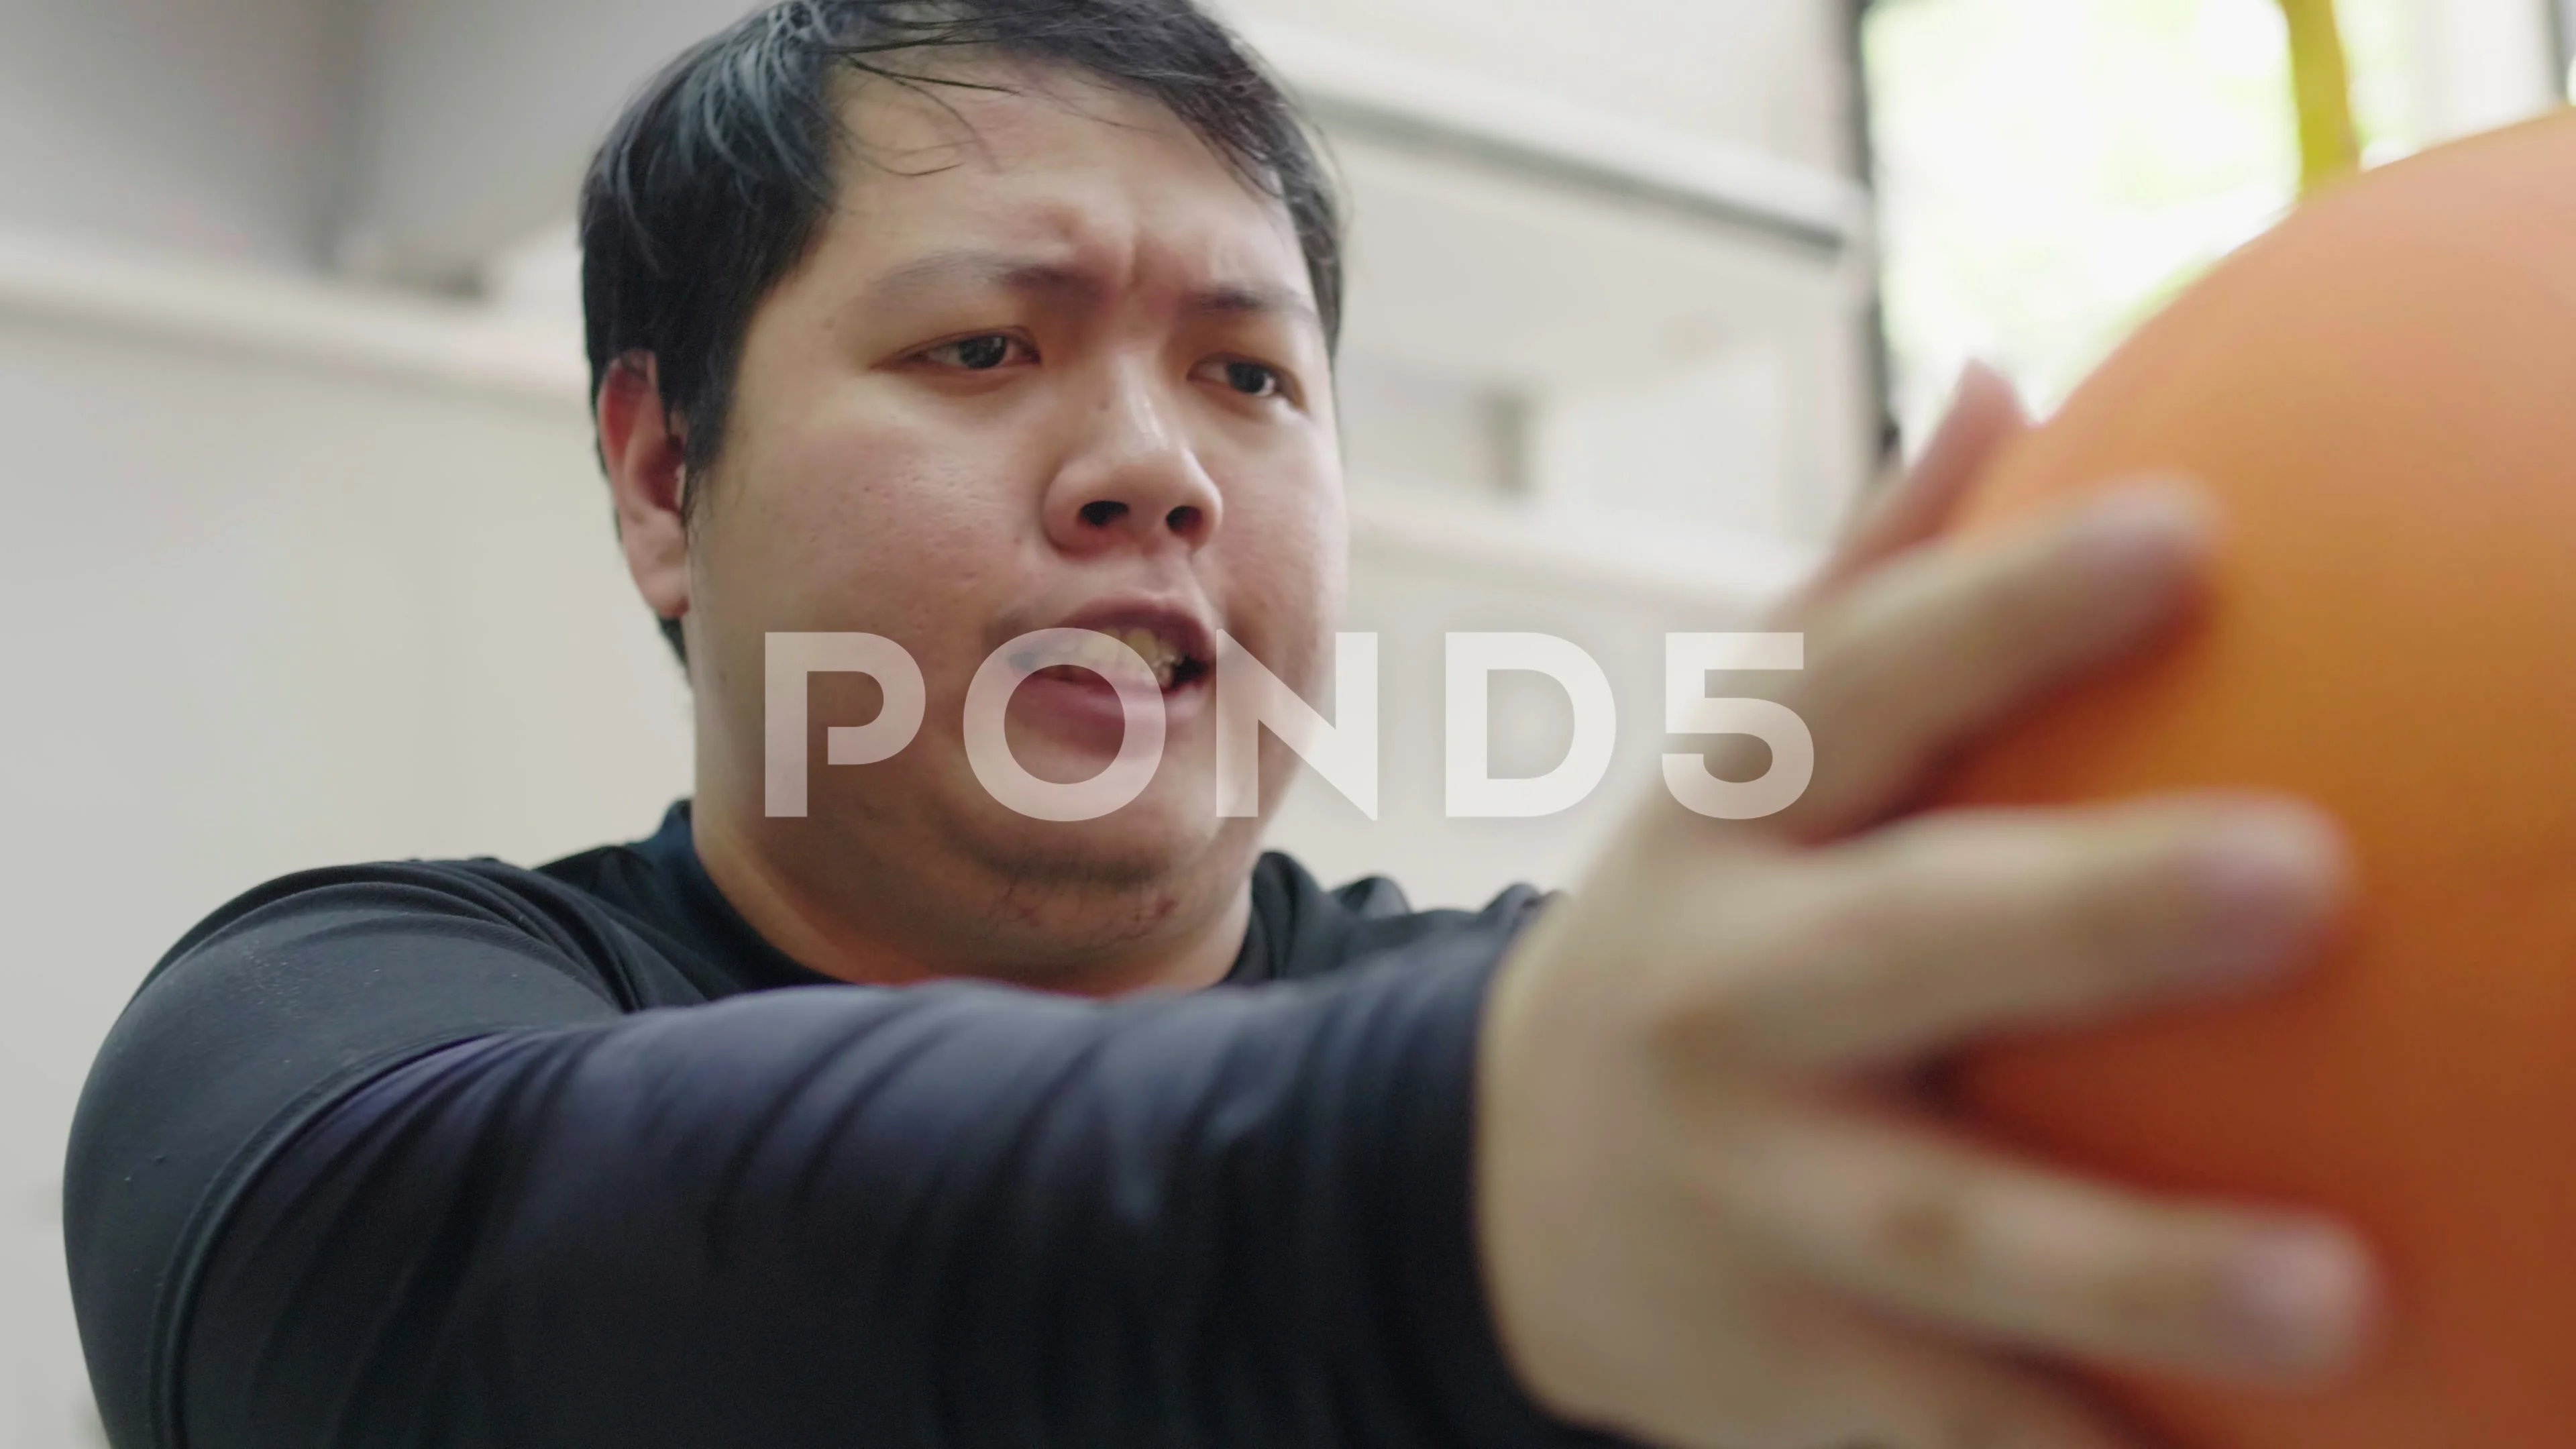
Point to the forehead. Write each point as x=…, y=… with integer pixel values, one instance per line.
x=1045, y=159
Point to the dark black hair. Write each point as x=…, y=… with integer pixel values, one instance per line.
x=715, y=182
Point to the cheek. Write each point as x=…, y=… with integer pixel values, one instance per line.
x=859, y=523
x=1286, y=581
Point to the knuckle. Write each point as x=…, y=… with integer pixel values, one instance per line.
x=1769, y=956
x=2009, y=606
x=1996, y=606
x=1862, y=678
x=1728, y=1027
x=1926, y=1233
x=1926, y=886
x=2015, y=1407
x=2114, y=910
x=2002, y=1426
x=1926, y=1228
x=1991, y=608
x=2108, y=947
x=1855, y=652
x=1919, y=880
x=2156, y=1290
x=2144, y=908
x=1976, y=1428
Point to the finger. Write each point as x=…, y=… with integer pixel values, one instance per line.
x=1963, y=924
x=1985, y=416
x=1870, y=1383
x=1940, y=646
x=1909, y=1220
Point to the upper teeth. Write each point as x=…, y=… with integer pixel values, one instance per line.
x=1101, y=653
x=1159, y=653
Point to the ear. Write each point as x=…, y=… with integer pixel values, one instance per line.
x=643, y=454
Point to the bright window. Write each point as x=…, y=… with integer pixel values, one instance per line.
x=2052, y=170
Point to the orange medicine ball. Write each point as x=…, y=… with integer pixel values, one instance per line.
x=2381, y=395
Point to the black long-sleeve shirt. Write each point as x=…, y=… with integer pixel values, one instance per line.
x=459, y=1154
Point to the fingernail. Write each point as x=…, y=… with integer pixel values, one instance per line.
x=2299, y=1299
x=2153, y=525
x=1971, y=373
x=1977, y=374
x=2266, y=881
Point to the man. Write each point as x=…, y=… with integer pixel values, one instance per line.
x=907, y=1121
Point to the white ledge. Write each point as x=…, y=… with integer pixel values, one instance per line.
x=1370, y=95
x=292, y=318
x=337, y=326
x=1730, y=575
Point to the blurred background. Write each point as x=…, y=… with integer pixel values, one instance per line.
x=306, y=559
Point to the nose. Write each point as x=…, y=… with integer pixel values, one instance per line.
x=1134, y=481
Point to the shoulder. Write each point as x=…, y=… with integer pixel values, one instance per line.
x=413, y=912
x=271, y=1009
x=1310, y=930
x=317, y=978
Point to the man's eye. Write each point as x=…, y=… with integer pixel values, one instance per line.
x=1252, y=379
x=974, y=354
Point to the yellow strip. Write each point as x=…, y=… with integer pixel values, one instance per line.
x=2329, y=144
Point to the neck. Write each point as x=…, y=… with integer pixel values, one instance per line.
x=888, y=928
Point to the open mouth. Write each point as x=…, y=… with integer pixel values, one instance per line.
x=1172, y=662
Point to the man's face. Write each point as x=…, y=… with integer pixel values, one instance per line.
x=1051, y=364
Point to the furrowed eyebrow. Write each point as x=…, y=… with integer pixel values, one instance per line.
x=1016, y=273
x=1238, y=300
x=985, y=269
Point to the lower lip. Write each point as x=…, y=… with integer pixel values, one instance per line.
x=1085, y=707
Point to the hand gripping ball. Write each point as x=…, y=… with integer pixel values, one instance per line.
x=2381, y=394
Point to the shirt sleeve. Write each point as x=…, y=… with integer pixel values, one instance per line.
x=508, y=1212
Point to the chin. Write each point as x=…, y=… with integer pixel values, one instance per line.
x=1165, y=842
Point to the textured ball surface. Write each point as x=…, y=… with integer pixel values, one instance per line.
x=2381, y=394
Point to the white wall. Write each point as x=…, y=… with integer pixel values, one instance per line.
x=204, y=125
x=1765, y=74
x=1665, y=368
x=271, y=612
x=2484, y=63
x=1413, y=598
x=474, y=118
